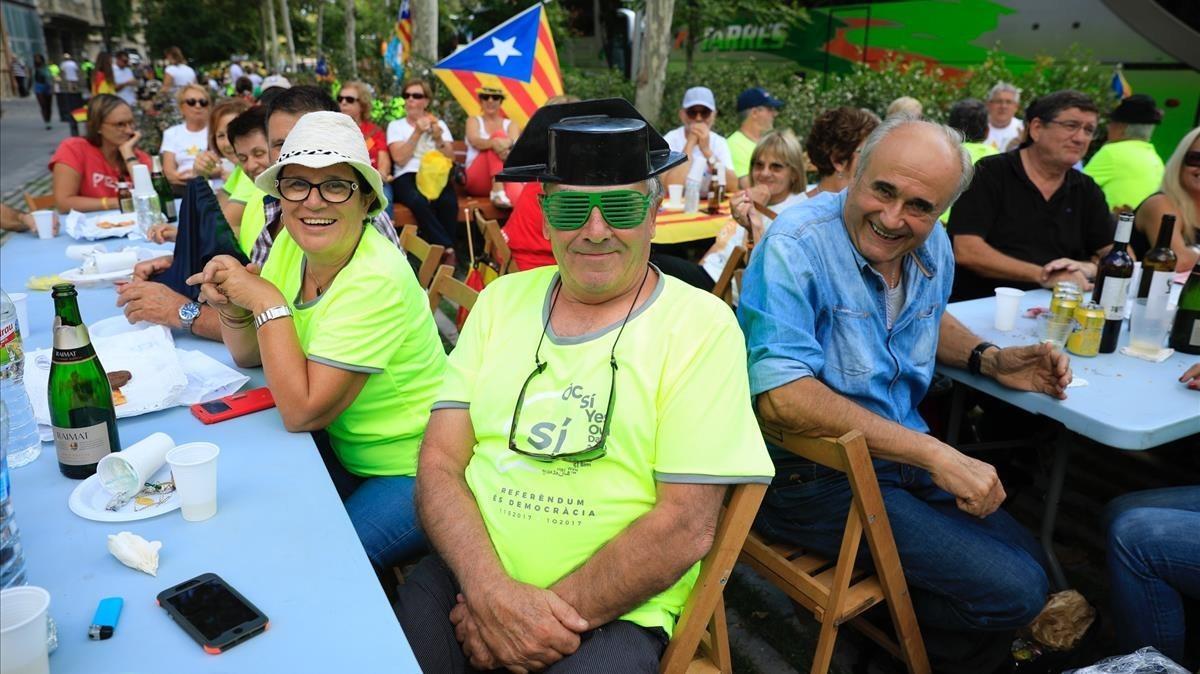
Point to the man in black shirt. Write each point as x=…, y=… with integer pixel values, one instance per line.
x=1029, y=219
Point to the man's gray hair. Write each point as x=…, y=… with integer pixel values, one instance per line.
x=1139, y=131
x=1001, y=87
x=953, y=138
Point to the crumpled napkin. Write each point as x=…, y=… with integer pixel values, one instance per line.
x=1162, y=354
x=135, y=552
x=79, y=225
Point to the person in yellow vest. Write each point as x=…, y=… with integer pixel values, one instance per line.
x=1127, y=168
x=757, y=111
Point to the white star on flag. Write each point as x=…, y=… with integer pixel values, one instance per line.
x=502, y=49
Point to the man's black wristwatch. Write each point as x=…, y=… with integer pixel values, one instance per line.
x=976, y=358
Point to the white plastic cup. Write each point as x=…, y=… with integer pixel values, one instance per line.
x=21, y=302
x=675, y=195
x=23, y=630
x=1008, y=302
x=44, y=220
x=194, y=467
x=126, y=471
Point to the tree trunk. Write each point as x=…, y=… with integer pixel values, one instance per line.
x=693, y=35
x=351, y=43
x=287, y=32
x=320, y=27
x=656, y=47
x=263, y=34
x=273, y=38
x=425, y=29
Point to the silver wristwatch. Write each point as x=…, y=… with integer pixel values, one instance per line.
x=188, y=313
x=271, y=314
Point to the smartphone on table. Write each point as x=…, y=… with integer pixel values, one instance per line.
x=217, y=616
x=234, y=405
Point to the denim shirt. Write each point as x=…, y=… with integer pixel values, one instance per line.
x=811, y=306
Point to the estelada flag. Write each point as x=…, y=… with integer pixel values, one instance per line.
x=518, y=57
x=1119, y=85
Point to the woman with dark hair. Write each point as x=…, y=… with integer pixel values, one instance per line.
x=43, y=87
x=833, y=145
x=409, y=139
x=86, y=169
x=103, y=81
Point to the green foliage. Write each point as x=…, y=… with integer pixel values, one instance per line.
x=118, y=19
x=193, y=26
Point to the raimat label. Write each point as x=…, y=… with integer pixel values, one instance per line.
x=82, y=446
x=85, y=352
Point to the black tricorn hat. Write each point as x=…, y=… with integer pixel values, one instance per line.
x=602, y=142
x=1137, y=109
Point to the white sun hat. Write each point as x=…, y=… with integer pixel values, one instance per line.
x=322, y=139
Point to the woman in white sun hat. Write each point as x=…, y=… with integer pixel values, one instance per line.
x=341, y=328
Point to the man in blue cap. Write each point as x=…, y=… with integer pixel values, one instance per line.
x=591, y=417
x=757, y=110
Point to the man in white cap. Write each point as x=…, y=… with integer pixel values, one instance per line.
x=705, y=149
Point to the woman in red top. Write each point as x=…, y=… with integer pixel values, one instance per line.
x=355, y=100
x=86, y=169
x=102, y=77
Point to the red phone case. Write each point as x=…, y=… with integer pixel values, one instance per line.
x=246, y=402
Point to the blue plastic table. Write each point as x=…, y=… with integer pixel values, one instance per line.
x=280, y=535
x=1128, y=403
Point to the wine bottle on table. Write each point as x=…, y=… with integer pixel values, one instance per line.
x=1157, y=269
x=82, y=414
x=1185, y=334
x=1112, y=284
x=166, y=198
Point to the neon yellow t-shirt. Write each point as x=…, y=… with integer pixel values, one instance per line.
x=1127, y=171
x=741, y=148
x=682, y=414
x=237, y=178
x=254, y=217
x=374, y=318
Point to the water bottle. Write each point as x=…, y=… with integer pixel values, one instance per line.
x=148, y=212
x=691, y=196
x=21, y=433
x=12, y=561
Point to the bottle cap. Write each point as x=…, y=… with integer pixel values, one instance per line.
x=142, y=186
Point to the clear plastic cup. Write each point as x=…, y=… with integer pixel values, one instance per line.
x=675, y=196
x=194, y=467
x=23, y=630
x=1148, y=333
x=126, y=471
x=44, y=221
x=1008, y=303
x=21, y=303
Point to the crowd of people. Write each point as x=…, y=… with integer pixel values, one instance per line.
x=601, y=399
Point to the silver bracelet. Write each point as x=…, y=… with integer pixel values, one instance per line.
x=271, y=314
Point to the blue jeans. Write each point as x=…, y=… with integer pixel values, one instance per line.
x=973, y=581
x=1153, y=563
x=381, y=510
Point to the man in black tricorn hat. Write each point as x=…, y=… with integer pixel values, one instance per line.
x=591, y=418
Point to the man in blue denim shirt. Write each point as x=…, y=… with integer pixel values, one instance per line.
x=843, y=307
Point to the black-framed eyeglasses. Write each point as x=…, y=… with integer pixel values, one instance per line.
x=415, y=95
x=202, y=102
x=698, y=112
x=597, y=450
x=347, y=99
x=1191, y=158
x=332, y=191
x=491, y=97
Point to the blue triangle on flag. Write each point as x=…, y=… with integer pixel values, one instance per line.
x=505, y=51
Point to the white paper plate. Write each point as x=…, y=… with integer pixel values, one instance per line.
x=77, y=276
x=89, y=498
x=668, y=205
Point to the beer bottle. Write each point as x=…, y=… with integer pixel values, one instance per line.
x=1185, y=334
x=716, y=189
x=166, y=198
x=1112, y=284
x=125, y=197
x=82, y=414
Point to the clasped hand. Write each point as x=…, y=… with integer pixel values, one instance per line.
x=517, y=626
x=225, y=281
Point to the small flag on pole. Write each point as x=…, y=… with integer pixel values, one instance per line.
x=517, y=57
x=1120, y=86
x=399, y=48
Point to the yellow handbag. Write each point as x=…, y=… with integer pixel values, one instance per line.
x=433, y=174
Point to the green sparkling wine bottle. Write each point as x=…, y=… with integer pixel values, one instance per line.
x=1185, y=334
x=81, y=405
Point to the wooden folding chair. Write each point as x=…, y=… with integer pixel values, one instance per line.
x=701, y=640
x=495, y=246
x=428, y=254
x=723, y=288
x=444, y=285
x=41, y=202
x=833, y=590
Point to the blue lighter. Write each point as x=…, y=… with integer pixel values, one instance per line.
x=105, y=620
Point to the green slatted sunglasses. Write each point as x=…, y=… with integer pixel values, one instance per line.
x=622, y=209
